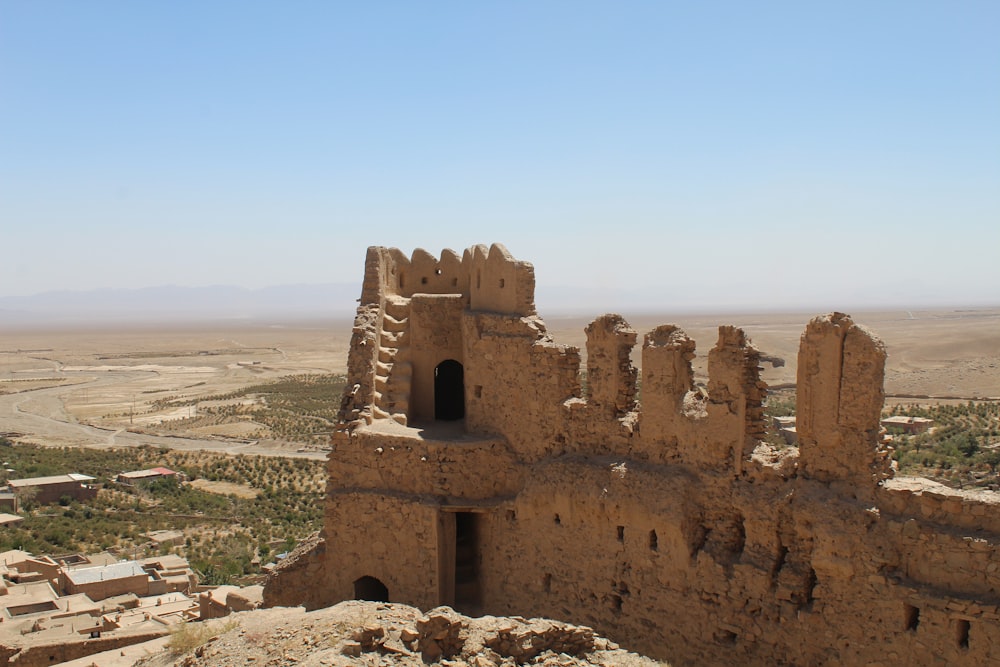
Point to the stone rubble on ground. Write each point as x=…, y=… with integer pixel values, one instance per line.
x=356, y=633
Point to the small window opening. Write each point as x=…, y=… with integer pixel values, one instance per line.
x=654, y=542
x=511, y=515
x=962, y=633
x=478, y=391
x=501, y=282
x=810, y=586
x=547, y=583
x=621, y=533
x=726, y=637
x=454, y=282
x=423, y=280
x=558, y=520
x=400, y=281
x=912, y=616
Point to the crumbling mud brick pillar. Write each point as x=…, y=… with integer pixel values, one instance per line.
x=840, y=397
x=667, y=377
x=734, y=382
x=611, y=376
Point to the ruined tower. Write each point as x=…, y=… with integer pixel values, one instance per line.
x=472, y=468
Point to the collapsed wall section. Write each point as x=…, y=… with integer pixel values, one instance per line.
x=716, y=426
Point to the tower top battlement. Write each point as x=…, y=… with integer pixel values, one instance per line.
x=489, y=278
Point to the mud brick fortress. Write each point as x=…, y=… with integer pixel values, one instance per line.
x=473, y=468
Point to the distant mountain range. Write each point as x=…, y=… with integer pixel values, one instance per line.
x=172, y=303
x=290, y=303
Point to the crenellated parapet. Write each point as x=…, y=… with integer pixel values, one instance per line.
x=489, y=278
x=498, y=282
x=477, y=312
x=395, y=274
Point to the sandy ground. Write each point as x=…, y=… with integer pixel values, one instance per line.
x=96, y=387
x=226, y=488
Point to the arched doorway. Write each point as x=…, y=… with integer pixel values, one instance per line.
x=371, y=589
x=449, y=391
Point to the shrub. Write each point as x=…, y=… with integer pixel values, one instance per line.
x=186, y=637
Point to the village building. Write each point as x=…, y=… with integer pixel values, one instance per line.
x=907, y=425
x=165, y=538
x=9, y=501
x=46, y=490
x=150, y=475
x=106, y=581
x=58, y=608
x=472, y=468
x=224, y=600
x=785, y=427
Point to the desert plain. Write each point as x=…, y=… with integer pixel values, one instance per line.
x=107, y=386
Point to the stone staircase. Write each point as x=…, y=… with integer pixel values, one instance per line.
x=393, y=370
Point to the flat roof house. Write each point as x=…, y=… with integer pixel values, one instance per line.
x=51, y=489
x=107, y=580
x=149, y=475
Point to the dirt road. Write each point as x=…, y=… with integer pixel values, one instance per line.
x=41, y=417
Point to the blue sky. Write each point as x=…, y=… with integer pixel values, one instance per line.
x=710, y=155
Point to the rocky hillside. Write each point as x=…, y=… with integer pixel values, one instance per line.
x=369, y=633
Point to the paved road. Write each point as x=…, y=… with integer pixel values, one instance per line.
x=41, y=416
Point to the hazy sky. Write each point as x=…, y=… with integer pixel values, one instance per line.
x=703, y=153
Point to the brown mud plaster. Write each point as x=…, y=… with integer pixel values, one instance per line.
x=472, y=468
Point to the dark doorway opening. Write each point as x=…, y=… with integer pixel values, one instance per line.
x=467, y=589
x=449, y=391
x=371, y=589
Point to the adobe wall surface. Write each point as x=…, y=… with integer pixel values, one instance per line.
x=659, y=518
